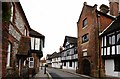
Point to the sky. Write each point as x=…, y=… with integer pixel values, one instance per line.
x=55, y=19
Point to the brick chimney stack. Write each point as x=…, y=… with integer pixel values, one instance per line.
x=104, y=8
x=114, y=7
x=61, y=48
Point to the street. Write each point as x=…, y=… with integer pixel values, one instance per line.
x=59, y=74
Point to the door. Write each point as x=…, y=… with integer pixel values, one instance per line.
x=86, y=67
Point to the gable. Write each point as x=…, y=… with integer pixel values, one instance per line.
x=86, y=10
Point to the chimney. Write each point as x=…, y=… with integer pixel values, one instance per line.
x=85, y=3
x=61, y=48
x=104, y=8
x=114, y=6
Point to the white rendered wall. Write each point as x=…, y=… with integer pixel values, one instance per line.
x=109, y=68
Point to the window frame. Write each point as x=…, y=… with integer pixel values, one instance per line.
x=83, y=38
x=31, y=62
x=84, y=23
x=111, y=46
x=8, y=64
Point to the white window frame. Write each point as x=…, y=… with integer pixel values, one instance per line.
x=37, y=43
x=31, y=66
x=32, y=43
x=12, y=8
x=8, y=54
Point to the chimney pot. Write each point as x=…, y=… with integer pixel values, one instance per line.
x=114, y=7
x=104, y=8
x=85, y=3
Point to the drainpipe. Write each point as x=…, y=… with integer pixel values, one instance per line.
x=99, y=54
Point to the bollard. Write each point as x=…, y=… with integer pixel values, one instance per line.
x=45, y=70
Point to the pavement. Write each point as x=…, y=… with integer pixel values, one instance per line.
x=42, y=75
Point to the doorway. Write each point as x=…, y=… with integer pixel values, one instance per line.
x=86, y=67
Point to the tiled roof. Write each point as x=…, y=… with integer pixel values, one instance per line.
x=24, y=46
x=35, y=33
x=55, y=55
x=114, y=26
x=71, y=40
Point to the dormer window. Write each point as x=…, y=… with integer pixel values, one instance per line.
x=84, y=22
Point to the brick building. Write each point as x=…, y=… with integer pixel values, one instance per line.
x=91, y=22
x=16, y=42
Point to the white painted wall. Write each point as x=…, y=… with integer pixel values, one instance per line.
x=74, y=65
x=109, y=68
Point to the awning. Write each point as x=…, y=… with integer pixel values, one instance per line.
x=24, y=46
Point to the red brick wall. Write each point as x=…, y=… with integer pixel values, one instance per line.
x=4, y=47
x=104, y=22
x=91, y=45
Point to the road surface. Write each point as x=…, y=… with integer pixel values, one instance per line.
x=59, y=74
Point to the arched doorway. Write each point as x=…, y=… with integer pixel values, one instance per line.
x=86, y=67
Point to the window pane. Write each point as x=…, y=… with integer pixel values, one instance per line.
x=84, y=22
x=31, y=59
x=8, y=54
x=113, y=50
x=118, y=49
x=110, y=39
x=105, y=41
x=101, y=51
x=32, y=43
x=11, y=19
x=31, y=64
x=85, y=38
x=108, y=50
x=113, y=39
x=104, y=51
x=102, y=41
x=118, y=38
x=37, y=43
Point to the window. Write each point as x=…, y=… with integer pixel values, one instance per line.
x=37, y=43
x=8, y=54
x=31, y=62
x=84, y=22
x=75, y=51
x=25, y=31
x=85, y=38
x=32, y=43
x=11, y=19
x=70, y=63
x=118, y=38
x=110, y=39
